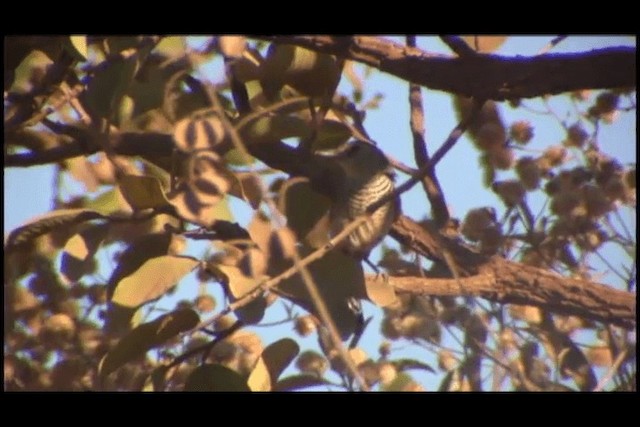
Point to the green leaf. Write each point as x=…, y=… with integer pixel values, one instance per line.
x=402, y=382
x=405, y=364
x=142, y=192
x=48, y=222
x=152, y=280
x=147, y=336
x=109, y=85
x=108, y=203
x=305, y=210
x=212, y=377
x=278, y=355
x=296, y=382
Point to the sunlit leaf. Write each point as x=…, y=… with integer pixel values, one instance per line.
x=311, y=73
x=147, y=336
x=153, y=279
x=212, y=377
x=380, y=291
x=485, y=44
x=198, y=134
x=79, y=44
x=136, y=254
x=259, y=379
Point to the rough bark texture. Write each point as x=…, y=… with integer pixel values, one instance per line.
x=513, y=283
x=483, y=76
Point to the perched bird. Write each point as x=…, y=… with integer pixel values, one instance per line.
x=361, y=175
x=365, y=176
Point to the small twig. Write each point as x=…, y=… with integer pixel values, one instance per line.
x=616, y=364
x=553, y=43
x=455, y=134
x=430, y=182
x=270, y=283
x=458, y=45
x=327, y=320
x=206, y=348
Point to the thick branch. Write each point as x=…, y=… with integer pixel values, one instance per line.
x=504, y=281
x=483, y=76
x=512, y=283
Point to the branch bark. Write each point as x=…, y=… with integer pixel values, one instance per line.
x=508, y=282
x=483, y=76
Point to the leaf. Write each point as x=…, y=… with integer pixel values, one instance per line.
x=406, y=364
x=211, y=377
x=85, y=244
x=190, y=208
x=79, y=44
x=232, y=46
x=311, y=73
x=259, y=379
x=238, y=283
x=296, y=382
x=147, y=336
x=142, y=192
x=152, y=280
x=253, y=312
x=45, y=223
x=484, y=44
x=402, y=382
x=304, y=209
x=380, y=291
x=136, y=254
x=246, y=186
x=109, y=84
x=109, y=203
x=278, y=355
x=74, y=268
x=192, y=134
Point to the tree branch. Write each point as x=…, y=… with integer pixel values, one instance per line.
x=483, y=76
x=507, y=282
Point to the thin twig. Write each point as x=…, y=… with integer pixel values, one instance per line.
x=430, y=182
x=455, y=134
x=603, y=382
x=327, y=320
x=458, y=45
x=553, y=43
x=266, y=285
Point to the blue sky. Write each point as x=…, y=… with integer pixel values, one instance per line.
x=28, y=192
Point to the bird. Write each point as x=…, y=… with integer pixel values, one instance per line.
x=364, y=177
x=361, y=176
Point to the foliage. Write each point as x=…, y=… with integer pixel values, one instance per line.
x=89, y=285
